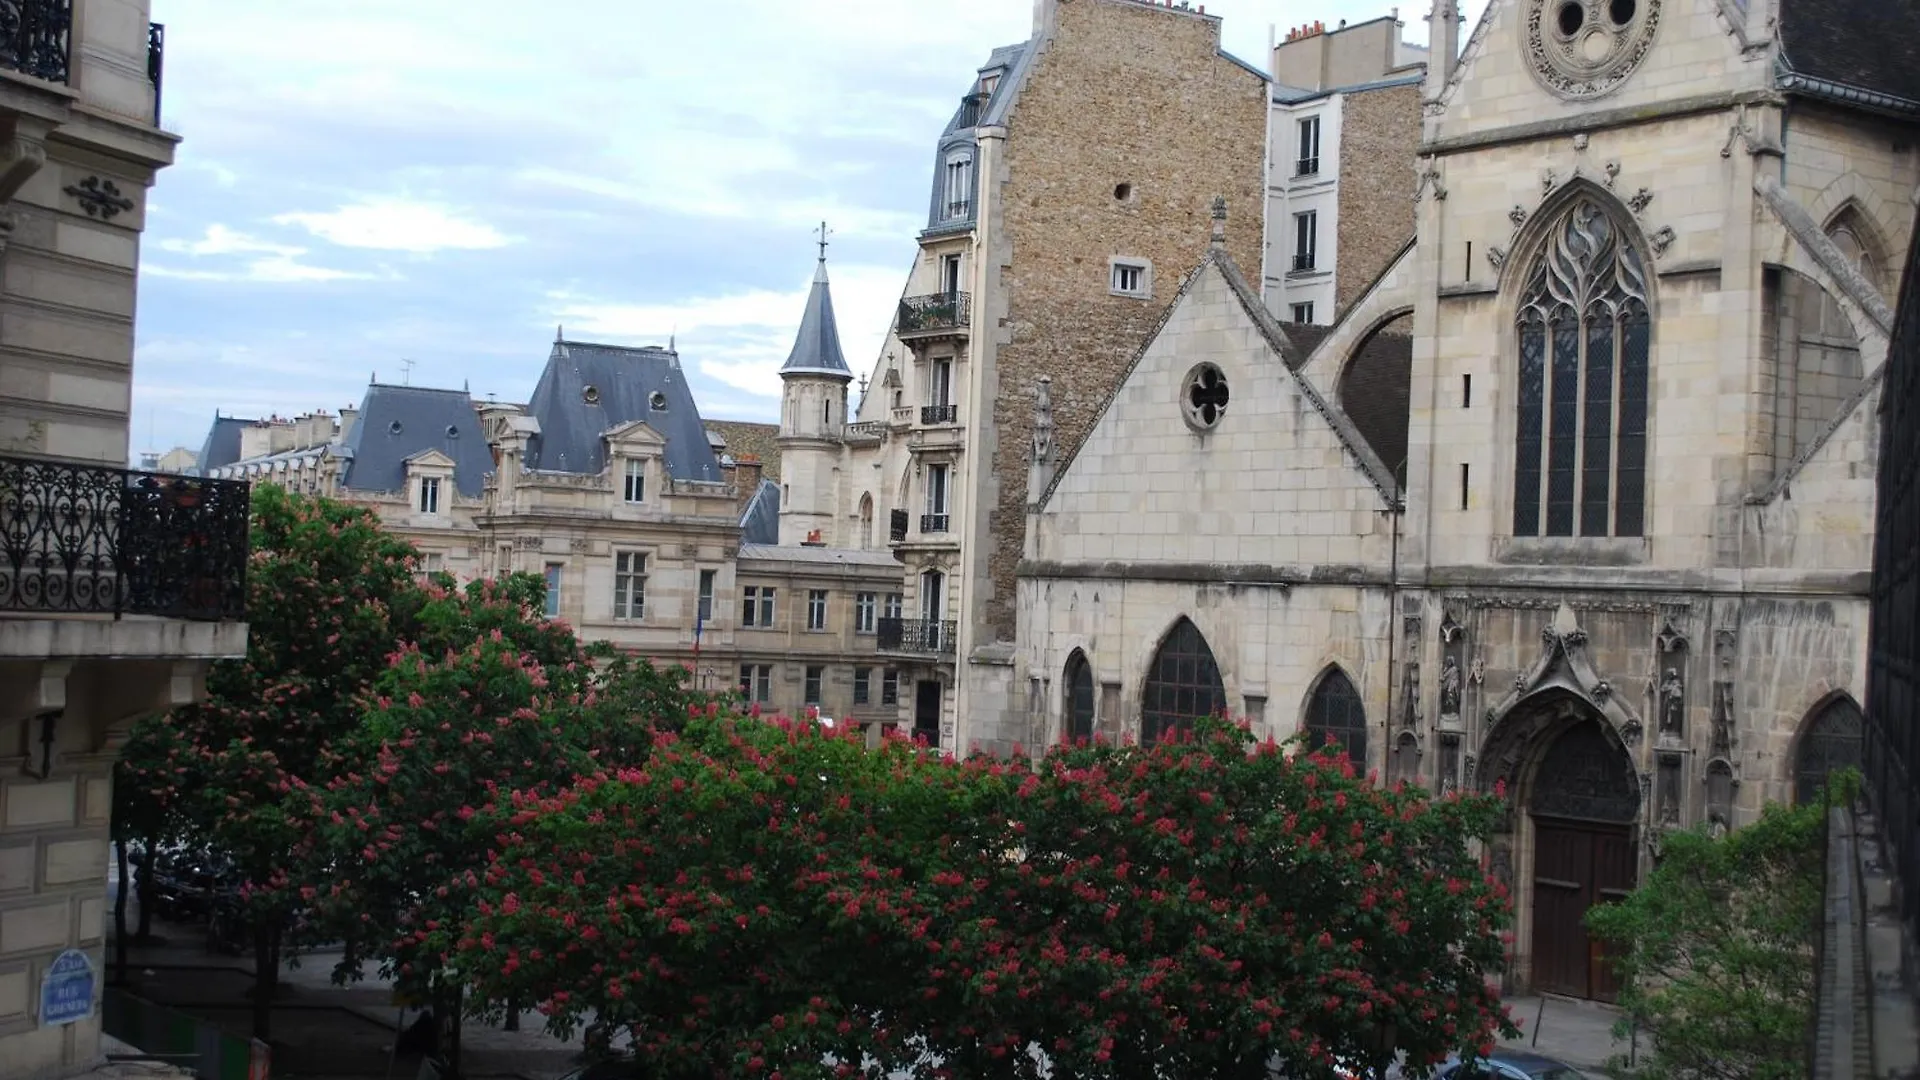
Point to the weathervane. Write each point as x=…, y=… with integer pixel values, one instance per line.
x=823, y=233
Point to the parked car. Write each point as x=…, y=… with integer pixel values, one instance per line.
x=613, y=1068
x=1509, y=1065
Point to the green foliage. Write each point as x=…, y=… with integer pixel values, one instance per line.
x=765, y=898
x=1716, y=948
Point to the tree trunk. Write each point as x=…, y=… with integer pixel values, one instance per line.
x=120, y=915
x=266, y=976
x=512, y=1022
x=147, y=870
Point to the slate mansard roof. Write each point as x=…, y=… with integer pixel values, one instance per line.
x=587, y=390
x=816, y=347
x=1866, y=52
x=401, y=422
x=222, y=447
x=760, y=524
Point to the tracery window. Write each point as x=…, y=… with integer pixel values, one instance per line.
x=1182, y=685
x=1335, y=714
x=1078, y=685
x=1831, y=741
x=1580, y=448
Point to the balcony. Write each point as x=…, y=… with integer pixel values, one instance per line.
x=939, y=315
x=156, y=52
x=934, y=523
x=92, y=540
x=35, y=37
x=918, y=637
x=1307, y=166
x=865, y=432
x=897, y=526
x=939, y=414
x=1303, y=263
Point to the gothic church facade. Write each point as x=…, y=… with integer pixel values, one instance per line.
x=1624, y=579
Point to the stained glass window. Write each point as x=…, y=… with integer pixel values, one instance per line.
x=1336, y=715
x=1079, y=689
x=1182, y=685
x=1580, y=442
x=1831, y=741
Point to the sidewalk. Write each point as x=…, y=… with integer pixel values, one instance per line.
x=1579, y=1033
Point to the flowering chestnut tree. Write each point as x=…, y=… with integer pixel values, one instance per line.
x=330, y=594
x=492, y=699
x=767, y=900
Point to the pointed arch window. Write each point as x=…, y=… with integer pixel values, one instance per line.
x=1580, y=448
x=1831, y=741
x=1078, y=686
x=1182, y=685
x=1335, y=714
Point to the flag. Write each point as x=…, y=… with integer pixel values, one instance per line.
x=699, y=623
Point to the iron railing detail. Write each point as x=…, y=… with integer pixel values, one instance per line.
x=929, y=637
x=897, y=526
x=939, y=313
x=1306, y=166
x=92, y=540
x=1890, y=752
x=156, y=55
x=1302, y=263
x=939, y=414
x=36, y=37
x=933, y=523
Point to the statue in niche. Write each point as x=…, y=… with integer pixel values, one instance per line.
x=1450, y=687
x=1716, y=826
x=1673, y=695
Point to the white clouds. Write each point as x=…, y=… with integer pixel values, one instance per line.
x=396, y=225
x=742, y=338
x=264, y=261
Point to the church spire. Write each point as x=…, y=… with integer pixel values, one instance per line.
x=816, y=348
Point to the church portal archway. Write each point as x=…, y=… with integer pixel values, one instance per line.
x=1571, y=839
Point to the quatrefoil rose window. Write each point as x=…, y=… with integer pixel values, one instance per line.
x=1203, y=397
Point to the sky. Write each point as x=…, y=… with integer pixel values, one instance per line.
x=424, y=191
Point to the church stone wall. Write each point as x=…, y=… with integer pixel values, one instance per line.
x=1834, y=158
x=1124, y=93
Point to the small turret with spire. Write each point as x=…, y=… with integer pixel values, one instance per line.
x=813, y=414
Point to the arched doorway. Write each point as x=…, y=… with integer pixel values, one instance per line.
x=1183, y=684
x=1583, y=801
x=1077, y=684
x=1830, y=740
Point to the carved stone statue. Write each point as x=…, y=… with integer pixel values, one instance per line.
x=1673, y=694
x=1450, y=687
x=1716, y=826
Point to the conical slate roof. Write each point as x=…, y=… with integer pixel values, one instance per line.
x=816, y=348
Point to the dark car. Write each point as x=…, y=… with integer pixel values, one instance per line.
x=614, y=1068
x=1509, y=1065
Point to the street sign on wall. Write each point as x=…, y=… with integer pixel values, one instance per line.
x=66, y=991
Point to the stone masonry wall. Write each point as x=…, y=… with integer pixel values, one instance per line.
x=1125, y=93
x=1379, y=139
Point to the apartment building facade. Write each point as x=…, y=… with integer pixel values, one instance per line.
x=117, y=587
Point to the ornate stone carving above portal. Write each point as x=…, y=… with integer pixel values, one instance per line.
x=1585, y=776
x=1565, y=665
x=1584, y=49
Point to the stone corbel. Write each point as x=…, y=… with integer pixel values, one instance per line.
x=21, y=156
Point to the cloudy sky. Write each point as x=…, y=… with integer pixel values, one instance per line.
x=425, y=189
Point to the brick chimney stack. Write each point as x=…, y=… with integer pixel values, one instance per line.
x=746, y=478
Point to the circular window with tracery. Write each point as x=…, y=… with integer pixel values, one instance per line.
x=1586, y=48
x=1203, y=397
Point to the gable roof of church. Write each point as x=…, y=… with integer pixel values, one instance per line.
x=1858, y=51
x=1292, y=355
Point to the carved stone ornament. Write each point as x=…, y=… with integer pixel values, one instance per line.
x=580, y=545
x=1430, y=180
x=1640, y=200
x=99, y=198
x=1449, y=687
x=689, y=551
x=1671, y=639
x=1517, y=215
x=1471, y=763
x=1583, y=49
x=1601, y=691
x=1477, y=671
x=527, y=543
x=1631, y=732
x=1496, y=257
x=1043, y=421
x=1673, y=703
x=1580, y=141
x=1613, y=173
x=1449, y=629
x=1548, y=178
x=1661, y=240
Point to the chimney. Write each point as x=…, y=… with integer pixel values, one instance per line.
x=746, y=478
x=1219, y=241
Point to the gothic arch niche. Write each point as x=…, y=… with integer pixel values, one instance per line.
x=1183, y=684
x=1335, y=713
x=1077, y=704
x=1374, y=390
x=1815, y=352
x=1829, y=739
x=1569, y=839
x=1583, y=346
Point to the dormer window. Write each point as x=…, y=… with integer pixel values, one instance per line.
x=636, y=485
x=958, y=186
x=429, y=494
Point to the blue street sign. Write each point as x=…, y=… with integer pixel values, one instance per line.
x=66, y=993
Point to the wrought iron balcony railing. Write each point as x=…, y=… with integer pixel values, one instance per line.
x=939, y=414
x=156, y=53
x=36, y=37
x=897, y=526
x=933, y=523
x=1306, y=166
x=1302, y=263
x=91, y=540
x=940, y=313
x=930, y=637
